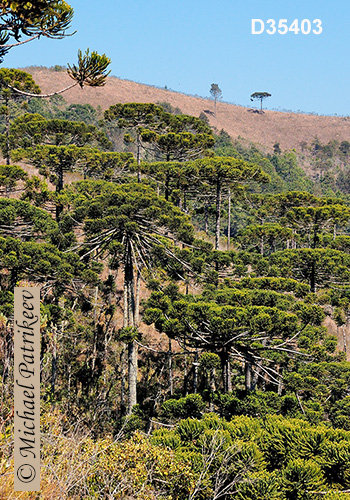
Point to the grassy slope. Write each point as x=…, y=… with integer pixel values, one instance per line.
x=289, y=129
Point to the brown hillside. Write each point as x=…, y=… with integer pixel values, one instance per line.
x=289, y=129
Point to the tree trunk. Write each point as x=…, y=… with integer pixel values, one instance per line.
x=138, y=157
x=280, y=387
x=313, y=278
x=167, y=188
x=59, y=187
x=137, y=304
x=218, y=213
x=60, y=179
x=280, y=383
x=248, y=375
x=7, y=132
x=94, y=351
x=13, y=278
x=185, y=383
x=206, y=224
x=123, y=380
x=229, y=220
x=54, y=349
x=228, y=375
x=170, y=366
x=69, y=383
x=129, y=299
x=258, y=370
x=212, y=388
x=129, y=321
x=226, y=371
x=132, y=375
x=212, y=384
x=54, y=361
x=195, y=372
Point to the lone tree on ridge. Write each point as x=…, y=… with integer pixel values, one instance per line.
x=260, y=96
x=216, y=93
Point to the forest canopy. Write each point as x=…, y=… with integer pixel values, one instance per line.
x=195, y=294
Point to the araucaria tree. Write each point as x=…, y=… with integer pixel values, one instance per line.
x=12, y=80
x=59, y=146
x=165, y=137
x=241, y=323
x=223, y=172
x=216, y=93
x=260, y=96
x=23, y=22
x=134, y=117
x=128, y=224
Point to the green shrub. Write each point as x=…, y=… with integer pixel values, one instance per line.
x=302, y=479
x=190, y=406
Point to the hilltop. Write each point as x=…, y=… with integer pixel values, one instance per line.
x=288, y=129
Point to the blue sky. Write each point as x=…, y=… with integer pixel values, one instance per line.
x=189, y=44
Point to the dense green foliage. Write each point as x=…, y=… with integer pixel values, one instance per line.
x=195, y=305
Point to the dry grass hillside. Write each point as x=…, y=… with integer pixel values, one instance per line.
x=289, y=129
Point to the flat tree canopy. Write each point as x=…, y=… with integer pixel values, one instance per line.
x=260, y=96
